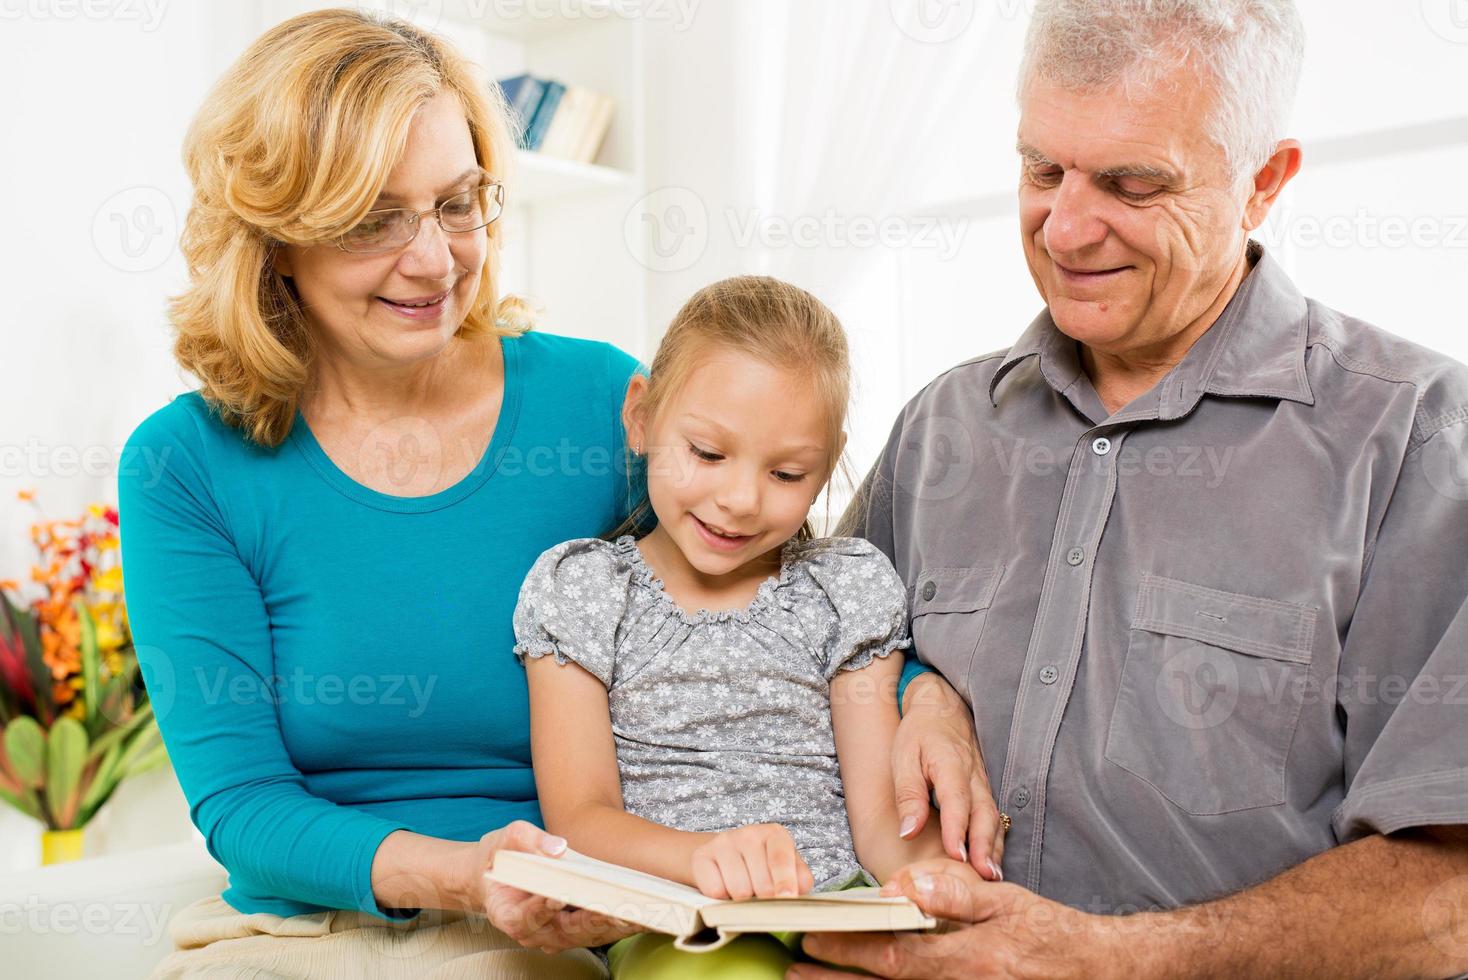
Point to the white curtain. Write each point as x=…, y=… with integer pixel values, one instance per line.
x=857, y=108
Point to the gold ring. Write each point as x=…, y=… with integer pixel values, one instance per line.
x=1004, y=821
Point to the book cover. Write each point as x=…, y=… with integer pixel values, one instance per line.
x=544, y=113
x=523, y=93
x=698, y=923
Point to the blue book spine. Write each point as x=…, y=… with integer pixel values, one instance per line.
x=543, y=113
x=523, y=93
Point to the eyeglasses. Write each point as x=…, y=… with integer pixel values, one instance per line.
x=392, y=228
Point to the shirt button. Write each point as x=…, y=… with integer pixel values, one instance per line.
x=1075, y=556
x=1048, y=674
x=930, y=589
x=1101, y=446
x=1021, y=798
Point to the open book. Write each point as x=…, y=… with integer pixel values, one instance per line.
x=697, y=922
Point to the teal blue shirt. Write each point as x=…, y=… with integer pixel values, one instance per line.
x=330, y=664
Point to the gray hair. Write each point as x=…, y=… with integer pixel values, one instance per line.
x=1250, y=49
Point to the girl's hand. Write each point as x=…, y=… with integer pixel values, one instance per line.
x=760, y=860
x=532, y=920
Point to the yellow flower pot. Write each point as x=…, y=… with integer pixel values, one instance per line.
x=60, y=846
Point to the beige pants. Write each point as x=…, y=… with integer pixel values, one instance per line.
x=213, y=940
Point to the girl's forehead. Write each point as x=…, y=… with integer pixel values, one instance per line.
x=732, y=382
x=741, y=397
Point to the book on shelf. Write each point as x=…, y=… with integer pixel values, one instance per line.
x=523, y=94
x=569, y=122
x=697, y=922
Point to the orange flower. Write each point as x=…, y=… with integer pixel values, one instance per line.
x=77, y=560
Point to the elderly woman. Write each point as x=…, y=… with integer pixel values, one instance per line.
x=321, y=579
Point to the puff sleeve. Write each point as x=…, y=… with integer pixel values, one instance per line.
x=866, y=603
x=571, y=605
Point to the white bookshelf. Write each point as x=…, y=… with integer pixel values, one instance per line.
x=565, y=246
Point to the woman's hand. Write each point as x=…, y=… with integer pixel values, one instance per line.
x=760, y=860
x=532, y=920
x=936, y=747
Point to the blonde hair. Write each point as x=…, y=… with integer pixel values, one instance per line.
x=292, y=146
x=767, y=319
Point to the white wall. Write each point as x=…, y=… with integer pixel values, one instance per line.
x=91, y=124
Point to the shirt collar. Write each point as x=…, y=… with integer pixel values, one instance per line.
x=1255, y=349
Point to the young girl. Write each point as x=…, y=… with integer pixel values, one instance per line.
x=708, y=677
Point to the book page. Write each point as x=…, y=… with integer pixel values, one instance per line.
x=626, y=879
x=850, y=910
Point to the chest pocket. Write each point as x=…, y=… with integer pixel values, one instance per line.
x=949, y=609
x=1210, y=694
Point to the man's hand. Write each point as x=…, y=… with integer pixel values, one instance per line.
x=936, y=747
x=1376, y=907
x=992, y=930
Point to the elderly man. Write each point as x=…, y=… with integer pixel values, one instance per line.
x=1195, y=550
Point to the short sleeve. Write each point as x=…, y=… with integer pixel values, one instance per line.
x=1406, y=654
x=865, y=599
x=570, y=606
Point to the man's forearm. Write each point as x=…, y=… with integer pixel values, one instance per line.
x=1377, y=907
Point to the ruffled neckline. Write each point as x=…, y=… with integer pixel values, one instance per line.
x=764, y=600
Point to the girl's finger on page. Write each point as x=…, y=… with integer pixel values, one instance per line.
x=736, y=876
x=807, y=880
x=784, y=872
x=757, y=863
x=707, y=878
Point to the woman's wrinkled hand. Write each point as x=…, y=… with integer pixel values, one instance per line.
x=532, y=920
x=936, y=751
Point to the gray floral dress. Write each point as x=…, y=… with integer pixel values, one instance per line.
x=723, y=719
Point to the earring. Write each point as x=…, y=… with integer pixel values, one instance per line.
x=637, y=449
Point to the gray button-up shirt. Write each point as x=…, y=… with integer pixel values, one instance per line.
x=1214, y=633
